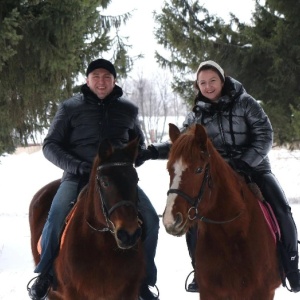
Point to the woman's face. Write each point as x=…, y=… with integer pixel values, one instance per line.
x=210, y=84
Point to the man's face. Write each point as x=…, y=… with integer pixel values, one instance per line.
x=101, y=82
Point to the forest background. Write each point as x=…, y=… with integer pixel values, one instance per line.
x=46, y=45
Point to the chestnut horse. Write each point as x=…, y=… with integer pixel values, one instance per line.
x=101, y=255
x=235, y=254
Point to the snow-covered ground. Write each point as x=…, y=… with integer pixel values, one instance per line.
x=23, y=174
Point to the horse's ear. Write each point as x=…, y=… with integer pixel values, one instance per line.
x=174, y=132
x=201, y=137
x=105, y=149
x=132, y=148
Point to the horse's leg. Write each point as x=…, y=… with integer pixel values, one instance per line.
x=67, y=291
x=73, y=295
x=130, y=292
x=263, y=293
x=70, y=293
x=53, y=295
x=205, y=294
x=211, y=294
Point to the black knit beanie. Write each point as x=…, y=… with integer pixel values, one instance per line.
x=103, y=64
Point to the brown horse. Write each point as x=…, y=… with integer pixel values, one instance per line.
x=101, y=256
x=235, y=253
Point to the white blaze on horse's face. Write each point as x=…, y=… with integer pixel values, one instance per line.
x=179, y=168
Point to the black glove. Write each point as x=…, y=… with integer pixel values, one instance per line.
x=84, y=169
x=146, y=154
x=240, y=166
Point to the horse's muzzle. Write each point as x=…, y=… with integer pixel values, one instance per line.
x=177, y=227
x=126, y=240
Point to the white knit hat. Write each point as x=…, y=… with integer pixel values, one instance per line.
x=213, y=64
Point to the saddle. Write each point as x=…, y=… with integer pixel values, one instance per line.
x=267, y=212
x=273, y=226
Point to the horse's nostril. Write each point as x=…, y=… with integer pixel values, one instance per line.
x=128, y=239
x=122, y=235
x=138, y=233
x=178, y=219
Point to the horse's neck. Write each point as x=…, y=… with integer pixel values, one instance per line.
x=227, y=189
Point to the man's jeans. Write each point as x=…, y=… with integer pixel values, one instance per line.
x=63, y=202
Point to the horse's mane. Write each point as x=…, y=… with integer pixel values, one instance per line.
x=188, y=149
x=116, y=154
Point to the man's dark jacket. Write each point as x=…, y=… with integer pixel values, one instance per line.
x=82, y=122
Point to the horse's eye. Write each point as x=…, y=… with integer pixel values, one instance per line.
x=104, y=182
x=199, y=170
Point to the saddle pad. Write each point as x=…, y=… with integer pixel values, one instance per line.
x=267, y=211
x=270, y=219
x=68, y=221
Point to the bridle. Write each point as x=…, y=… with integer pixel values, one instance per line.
x=108, y=211
x=194, y=202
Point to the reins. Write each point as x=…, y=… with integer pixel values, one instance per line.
x=196, y=201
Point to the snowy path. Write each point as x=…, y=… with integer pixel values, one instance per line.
x=22, y=175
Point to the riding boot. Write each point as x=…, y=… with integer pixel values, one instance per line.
x=191, y=240
x=290, y=265
x=274, y=195
x=40, y=287
x=146, y=294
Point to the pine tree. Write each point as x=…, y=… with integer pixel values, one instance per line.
x=45, y=45
x=264, y=55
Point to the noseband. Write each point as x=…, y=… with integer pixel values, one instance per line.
x=194, y=202
x=107, y=212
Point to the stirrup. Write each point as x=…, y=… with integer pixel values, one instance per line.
x=187, y=278
x=29, y=288
x=157, y=290
x=29, y=282
x=289, y=288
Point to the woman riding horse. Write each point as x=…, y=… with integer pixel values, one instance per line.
x=232, y=230
x=242, y=133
